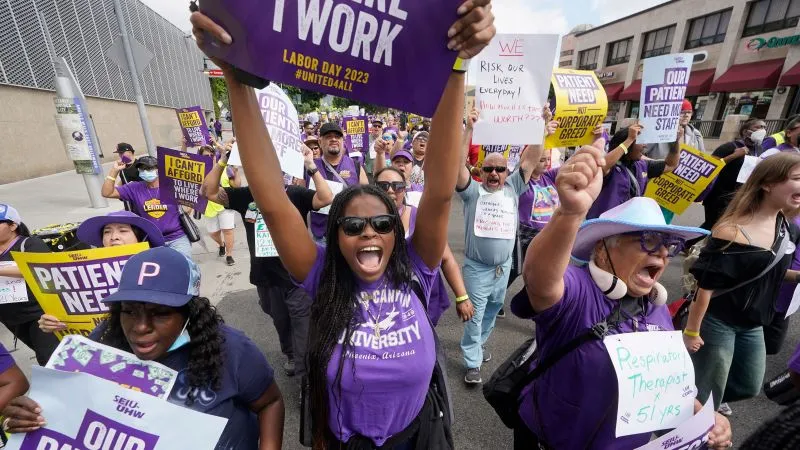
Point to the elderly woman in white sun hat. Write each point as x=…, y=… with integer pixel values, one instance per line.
x=573, y=402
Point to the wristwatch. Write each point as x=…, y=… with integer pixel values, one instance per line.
x=312, y=171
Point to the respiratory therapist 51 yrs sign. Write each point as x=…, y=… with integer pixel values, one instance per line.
x=350, y=49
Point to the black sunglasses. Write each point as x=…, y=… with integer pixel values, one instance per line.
x=354, y=226
x=397, y=186
x=490, y=169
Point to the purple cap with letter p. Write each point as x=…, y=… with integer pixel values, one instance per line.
x=161, y=276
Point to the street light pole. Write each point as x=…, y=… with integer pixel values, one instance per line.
x=137, y=89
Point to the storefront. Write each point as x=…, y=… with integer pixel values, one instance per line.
x=748, y=89
x=614, y=104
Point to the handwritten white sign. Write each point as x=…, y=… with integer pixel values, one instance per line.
x=280, y=117
x=511, y=89
x=656, y=381
x=265, y=247
x=691, y=435
x=336, y=188
x=12, y=290
x=495, y=216
x=749, y=164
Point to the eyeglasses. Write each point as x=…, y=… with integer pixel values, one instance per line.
x=354, y=226
x=652, y=241
x=397, y=186
x=490, y=169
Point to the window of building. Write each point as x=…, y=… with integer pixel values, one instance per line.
x=587, y=59
x=565, y=64
x=619, y=52
x=771, y=15
x=708, y=29
x=753, y=104
x=658, y=42
x=567, y=52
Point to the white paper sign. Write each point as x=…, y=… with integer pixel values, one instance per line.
x=691, y=435
x=265, y=247
x=280, y=116
x=656, y=381
x=12, y=290
x=495, y=216
x=336, y=188
x=664, y=82
x=86, y=412
x=413, y=198
x=749, y=164
x=512, y=87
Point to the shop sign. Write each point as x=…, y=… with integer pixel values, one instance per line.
x=604, y=75
x=758, y=43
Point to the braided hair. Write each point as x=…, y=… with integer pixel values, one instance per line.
x=779, y=433
x=333, y=309
x=206, y=354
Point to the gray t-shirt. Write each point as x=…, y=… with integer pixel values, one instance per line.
x=490, y=251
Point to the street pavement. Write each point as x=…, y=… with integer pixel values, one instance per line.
x=62, y=198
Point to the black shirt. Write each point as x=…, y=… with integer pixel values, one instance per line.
x=268, y=271
x=131, y=174
x=725, y=186
x=13, y=314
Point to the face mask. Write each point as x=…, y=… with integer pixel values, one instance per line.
x=148, y=175
x=181, y=340
x=758, y=136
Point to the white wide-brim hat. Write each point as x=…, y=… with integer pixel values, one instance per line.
x=637, y=214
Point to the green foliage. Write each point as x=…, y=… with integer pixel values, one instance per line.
x=219, y=91
x=369, y=108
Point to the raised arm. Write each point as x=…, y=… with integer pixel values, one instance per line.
x=615, y=154
x=470, y=34
x=381, y=147
x=210, y=188
x=109, y=189
x=579, y=182
x=261, y=165
x=323, y=195
x=673, y=158
x=466, y=138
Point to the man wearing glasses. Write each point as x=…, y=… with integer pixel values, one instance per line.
x=691, y=135
x=491, y=217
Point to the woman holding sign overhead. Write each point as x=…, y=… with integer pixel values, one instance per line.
x=374, y=380
x=573, y=399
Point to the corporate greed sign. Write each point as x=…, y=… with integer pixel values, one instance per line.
x=350, y=49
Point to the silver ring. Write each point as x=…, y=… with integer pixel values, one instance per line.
x=5, y=424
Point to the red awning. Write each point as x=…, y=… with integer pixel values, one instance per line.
x=750, y=76
x=791, y=77
x=700, y=82
x=632, y=92
x=613, y=90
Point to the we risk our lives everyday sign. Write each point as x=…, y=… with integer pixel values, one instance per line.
x=348, y=48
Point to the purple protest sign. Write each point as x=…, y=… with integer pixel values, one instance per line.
x=193, y=125
x=347, y=49
x=357, y=132
x=664, y=82
x=96, y=432
x=180, y=176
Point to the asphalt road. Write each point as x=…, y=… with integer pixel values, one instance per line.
x=476, y=426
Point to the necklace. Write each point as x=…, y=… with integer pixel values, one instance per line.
x=366, y=298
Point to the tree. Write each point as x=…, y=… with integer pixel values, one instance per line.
x=309, y=100
x=219, y=92
x=369, y=108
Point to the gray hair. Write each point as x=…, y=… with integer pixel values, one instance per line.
x=611, y=241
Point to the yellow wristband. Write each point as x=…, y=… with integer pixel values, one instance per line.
x=222, y=164
x=691, y=333
x=462, y=299
x=461, y=65
x=110, y=178
x=624, y=148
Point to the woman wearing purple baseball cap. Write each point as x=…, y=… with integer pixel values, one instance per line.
x=158, y=314
x=572, y=400
x=116, y=228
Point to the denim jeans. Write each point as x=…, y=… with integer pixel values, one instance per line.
x=486, y=286
x=731, y=363
x=183, y=245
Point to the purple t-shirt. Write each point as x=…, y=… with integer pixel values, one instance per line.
x=440, y=300
x=147, y=203
x=576, y=399
x=794, y=361
x=392, y=371
x=537, y=204
x=617, y=187
x=787, y=289
x=349, y=170
x=6, y=360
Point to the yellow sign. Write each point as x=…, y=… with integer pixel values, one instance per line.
x=677, y=190
x=71, y=285
x=189, y=119
x=185, y=169
x=510, y=152
x=581, y=105
x=357, y=126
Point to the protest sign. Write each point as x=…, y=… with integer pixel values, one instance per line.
x=280, y=116
x=73, y=127
x=76, y=353
x=335, y=188
x=495, y=216
x=511, y=88
x=677, y=190
x=87, y=412
x=664, y=82
x=357, y=135
x=194, y=127
x=691, y=435
x=655, y=379
x=180, y=176
x=12, y=290
x=265, y=247
x=346, y=49
x=581, y=106
x=71, y=285
x=748, y=166
x=510, y=152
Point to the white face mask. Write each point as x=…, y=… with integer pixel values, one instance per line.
x=758, y=136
